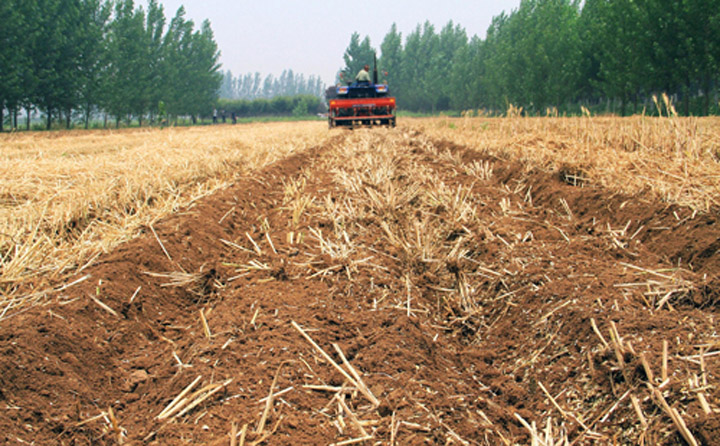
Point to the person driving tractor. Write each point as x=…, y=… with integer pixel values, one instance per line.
x=363, y=75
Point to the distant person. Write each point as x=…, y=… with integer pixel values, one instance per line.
x=363, y=76
x=214, y=115
x=222, y=113
x=234, y=117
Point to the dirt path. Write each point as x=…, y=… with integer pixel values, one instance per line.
x=463, y=291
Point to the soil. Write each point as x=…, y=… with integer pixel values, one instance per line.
x=99, y=362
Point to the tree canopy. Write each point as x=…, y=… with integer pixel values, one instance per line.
x=253, y=86
x=79, y=57
x=607, y=55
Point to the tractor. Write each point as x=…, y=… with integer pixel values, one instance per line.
x=361, y=104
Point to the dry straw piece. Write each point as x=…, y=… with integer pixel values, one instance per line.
x=355, y=380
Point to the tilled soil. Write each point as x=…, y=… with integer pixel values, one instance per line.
x=459, y=329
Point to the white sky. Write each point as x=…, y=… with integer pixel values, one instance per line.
x=310, y=36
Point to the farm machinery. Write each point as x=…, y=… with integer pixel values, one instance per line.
x=361, y=104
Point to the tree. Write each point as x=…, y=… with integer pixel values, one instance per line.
x=450, y=43
x=625, y=49
x=419, y=57
x=356, y=55
x=153, y=85
x=55, y=44
x=534, y=53
x=203, y=71
x=93, y=62
x=465, y=91
x=13, y=57
x=128, y=60
x=591, y=29
x=684, y=46
x=390, y=61
x=175, y=43
x=227, y=86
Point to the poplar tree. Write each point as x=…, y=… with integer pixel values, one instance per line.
x=390, y=60
x=53, y=43
x=93, y=61
x=155, y=89
x=13, y=57
x=356, y=56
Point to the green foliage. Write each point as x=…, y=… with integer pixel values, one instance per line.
x=252, y=85
x=297, y=106
x=604, y=55
x=390, y=64
x=356, y=56
x=128, y=55
x=12, y=60
x=93, y=62
x=54, y=47
x=78, y=57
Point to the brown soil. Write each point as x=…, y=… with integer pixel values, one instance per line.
x=540, y=275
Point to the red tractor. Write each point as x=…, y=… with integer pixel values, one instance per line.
x=360, y=104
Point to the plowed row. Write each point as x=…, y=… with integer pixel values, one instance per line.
x=476, y=300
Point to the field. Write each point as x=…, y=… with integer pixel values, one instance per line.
x=450, y=281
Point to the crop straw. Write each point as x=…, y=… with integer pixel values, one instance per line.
x=361, y=387
x=68, y=197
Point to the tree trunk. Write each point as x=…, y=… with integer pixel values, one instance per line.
x=2, y=118
x=15, y=113
x=27, y=121
x=49, y=119
x=68, y=115
x=87, y=116
x=635, y=103
x=706, y=91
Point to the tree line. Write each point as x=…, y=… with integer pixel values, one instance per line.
x=75, y=58
x=298, y=105
x=254, y=86
x=605, y=55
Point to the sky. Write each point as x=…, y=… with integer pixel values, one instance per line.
x=310, y=36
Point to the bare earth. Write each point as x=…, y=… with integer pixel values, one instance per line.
x=465, y=312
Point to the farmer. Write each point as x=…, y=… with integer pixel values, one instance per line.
x=363, y=75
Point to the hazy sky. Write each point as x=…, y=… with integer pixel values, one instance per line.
x=310, y=36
